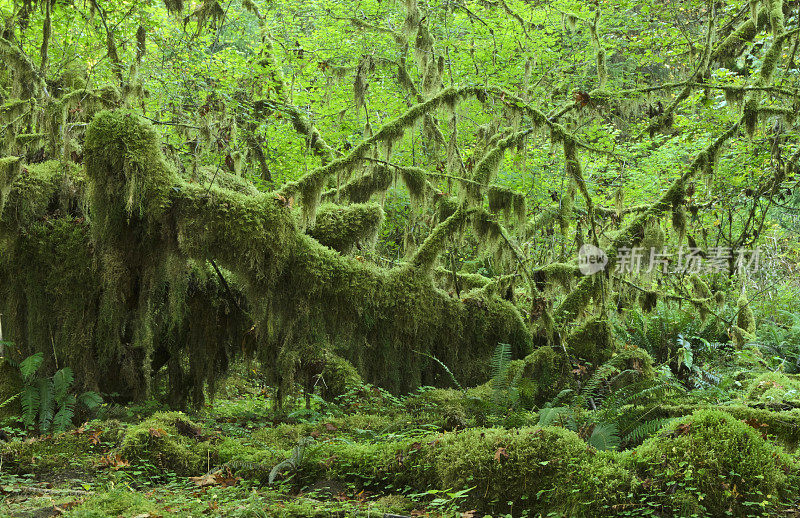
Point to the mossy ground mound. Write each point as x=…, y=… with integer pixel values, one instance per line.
x=774, y=390
x=711, y=462
x=167, y=441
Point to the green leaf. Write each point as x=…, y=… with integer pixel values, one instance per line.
x=30, y=365
x=62, y=382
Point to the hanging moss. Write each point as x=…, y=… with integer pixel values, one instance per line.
x=361, y=189
x=415, y=181
x=563, y=274
x=750, y=117
x=701, y=289
x=174, y=6
x=648, y=300
x=744, y=318
x=506, y=201
x=344, y=228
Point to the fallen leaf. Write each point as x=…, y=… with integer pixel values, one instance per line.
x=500, y=453
x=157, y=432
x=113, y=461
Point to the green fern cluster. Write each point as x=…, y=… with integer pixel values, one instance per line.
x=623, y=411
x=48, y=404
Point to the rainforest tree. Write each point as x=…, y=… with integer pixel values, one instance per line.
x=387, y=186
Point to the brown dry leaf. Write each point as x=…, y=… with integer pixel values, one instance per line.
x=227, y=478
x=157, y=432
x=500, y=453
x=683, y=429
x=218, y=478
x=94, y=437
x=113, y=461
x=330, y=427
x=205, y=480
x=469, y=514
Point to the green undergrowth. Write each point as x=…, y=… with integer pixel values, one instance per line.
x=434, y=452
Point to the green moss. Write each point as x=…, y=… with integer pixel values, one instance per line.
x=167, y=441
x=699, y=461
x=744, y=318
x=591, y=340
x=634, y=360
x=344, y=228
x=545, y=372
x=38, y=189
x=774, y=390
x=701, y=289
x=67, y=452
x=338, y=376
x=119, y=502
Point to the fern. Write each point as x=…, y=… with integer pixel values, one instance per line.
x=62, y=382
x=446, y=369
x=646, y=429
x=501, y=359
x=50, y=399
x=550, y=415
x=29, y=401
x=30, y=365
x=605, y=436
x=62, y=421
x=46, y=404
x=294, y=461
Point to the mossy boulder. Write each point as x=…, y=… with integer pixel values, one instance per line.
x=591, y=341
x=167, y=441
x=711, y=462
x=448, y=408
x=338, y=376
x=545, y=373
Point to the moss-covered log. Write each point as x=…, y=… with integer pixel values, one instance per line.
x=121, y=282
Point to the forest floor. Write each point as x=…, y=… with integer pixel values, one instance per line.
x=434, y=453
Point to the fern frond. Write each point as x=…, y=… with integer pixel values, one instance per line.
x=605, y=436
x=30, y=365
x=46, y=404
x=446, y=369
x=62, y=382
x=29, y=400
x=62, y=421
x=9, y=401
x=647, y=429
